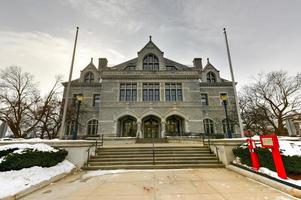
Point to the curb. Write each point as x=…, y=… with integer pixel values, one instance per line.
x=38, y=186
x=272, y=183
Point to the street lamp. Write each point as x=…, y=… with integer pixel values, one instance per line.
x=79, y=99
x=224, y=98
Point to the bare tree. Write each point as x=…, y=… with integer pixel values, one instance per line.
x=266, y=103
x=19, y=98
x=49, y=112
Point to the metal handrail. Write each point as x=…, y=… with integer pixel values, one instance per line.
x=96, y=145
x=153, y=139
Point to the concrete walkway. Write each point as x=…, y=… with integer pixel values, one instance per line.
x=196, y=184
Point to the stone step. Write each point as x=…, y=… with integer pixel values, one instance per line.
x=150, y=152
x=158, y=166
x=150, y=158
x=151, y=155
x=156, y=147
x=149, y=149
x=149, y=162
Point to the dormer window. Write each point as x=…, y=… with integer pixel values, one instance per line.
x=130, y=68
x=171, y=68
x=211, y=77
x=150, y=62
x=89, y=77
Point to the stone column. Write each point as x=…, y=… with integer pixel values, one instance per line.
x=162, y=129
x=139, y=132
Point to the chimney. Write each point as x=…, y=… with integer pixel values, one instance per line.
x=102, y=63
x=197, y=63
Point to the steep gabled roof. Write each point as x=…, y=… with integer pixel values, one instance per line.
x=179, y=66
x=90, y=66
x=209, y=66
x=150, y=45
x=121, y=66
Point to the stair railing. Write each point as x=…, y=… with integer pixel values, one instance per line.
x=96, y=146
x=153, y=148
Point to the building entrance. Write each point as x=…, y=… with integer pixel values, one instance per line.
x=151, y=127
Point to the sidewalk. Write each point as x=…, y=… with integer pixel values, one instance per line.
x=196, y=184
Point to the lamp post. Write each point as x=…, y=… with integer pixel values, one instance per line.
x=224, y=99
x=79, y=99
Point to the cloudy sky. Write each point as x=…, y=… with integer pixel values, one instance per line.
x=38, y=35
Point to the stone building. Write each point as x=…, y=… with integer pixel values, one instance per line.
x=151, y=96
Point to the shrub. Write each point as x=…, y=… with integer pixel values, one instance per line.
x=7, y=151
x=292, y=164
x=30, y=158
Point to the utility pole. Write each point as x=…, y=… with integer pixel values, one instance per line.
x=62, y=130
x=234, y=85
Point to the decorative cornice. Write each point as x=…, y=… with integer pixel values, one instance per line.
x=143, y=74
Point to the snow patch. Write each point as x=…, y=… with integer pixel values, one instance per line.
x=21, y=147
x=275, y=175
x=12, y=182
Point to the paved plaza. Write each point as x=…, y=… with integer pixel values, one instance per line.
x=196, y=184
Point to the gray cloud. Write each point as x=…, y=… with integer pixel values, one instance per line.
x=38, y=35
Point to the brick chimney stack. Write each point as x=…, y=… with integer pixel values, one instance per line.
x=197, y=63
x=102, y=63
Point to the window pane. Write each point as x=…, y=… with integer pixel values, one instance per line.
x=134, y=97
x=167, y=95
x=145, y=95
x=173, y=94
x=122, y=95
x=96, y=100
x=179, y=92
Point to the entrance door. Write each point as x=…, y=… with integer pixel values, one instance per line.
x=151, y=127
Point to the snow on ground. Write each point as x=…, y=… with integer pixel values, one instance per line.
x=12, y=182
x=275, y=175
x=38, y=147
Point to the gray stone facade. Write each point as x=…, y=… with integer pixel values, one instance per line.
x=183, y=114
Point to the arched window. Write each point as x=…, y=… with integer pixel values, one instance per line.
x=208, y=126
x=70, y=127
x=211, y=78
x=231, y=126
x=151, y=62
x=92, y=127
x=89, y=77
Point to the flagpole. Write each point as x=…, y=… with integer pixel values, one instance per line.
x=61, y=133
x=234, y=85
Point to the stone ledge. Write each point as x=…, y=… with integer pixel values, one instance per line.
x=267, y=181
x=54, y=143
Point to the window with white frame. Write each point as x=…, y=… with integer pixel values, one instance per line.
x=211, y=77
x=151, y=91
x=150, y=62
x=208, y=126
x=92, y=127
x=89, y=77
x=128, y=92
x=204, y=99
x=96, y=100
x=173, y=92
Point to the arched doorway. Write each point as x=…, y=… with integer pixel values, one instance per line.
x=127, y=126
x=175, y=126
x=151, y=126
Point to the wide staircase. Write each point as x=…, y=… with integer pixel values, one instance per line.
x=147, y=157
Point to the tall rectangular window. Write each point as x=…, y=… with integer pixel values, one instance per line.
x=128, y=92
x=204, y=99
x=173, y=92
x=151, y=92
x=96, y=100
